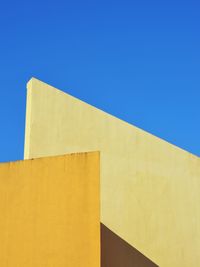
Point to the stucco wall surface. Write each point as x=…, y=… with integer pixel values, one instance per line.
x=150, y=189
x=49, y=212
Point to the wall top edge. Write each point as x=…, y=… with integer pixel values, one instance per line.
x=32, y=84
x=74, y=154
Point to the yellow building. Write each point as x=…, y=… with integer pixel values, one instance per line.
x=150, y=189
x=49, y=212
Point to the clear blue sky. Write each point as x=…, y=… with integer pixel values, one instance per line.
x=138, y=60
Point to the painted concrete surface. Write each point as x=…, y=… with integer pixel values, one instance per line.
x=49, y=212
x=115, y=252
x=150, y=189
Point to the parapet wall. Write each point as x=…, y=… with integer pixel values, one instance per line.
x=150, y=189
x=49, y=212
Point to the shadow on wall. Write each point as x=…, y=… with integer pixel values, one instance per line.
x=115, y=252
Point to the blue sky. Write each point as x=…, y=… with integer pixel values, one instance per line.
x=138, y=60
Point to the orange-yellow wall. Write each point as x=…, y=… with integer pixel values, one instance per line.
x=49, y=212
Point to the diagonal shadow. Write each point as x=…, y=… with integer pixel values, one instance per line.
x=115, y=252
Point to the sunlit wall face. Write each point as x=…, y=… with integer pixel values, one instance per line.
x=49, y=212
x=149, y=188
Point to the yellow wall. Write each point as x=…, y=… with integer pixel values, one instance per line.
x=150, y=189
x=49, y=212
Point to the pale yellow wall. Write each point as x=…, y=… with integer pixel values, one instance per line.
x=150, y=189
x=49, y=212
